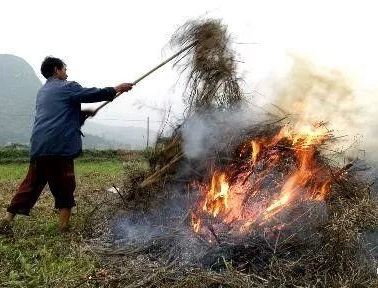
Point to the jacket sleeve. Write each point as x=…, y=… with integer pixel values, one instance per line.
x=82, y=118
x=79, y=94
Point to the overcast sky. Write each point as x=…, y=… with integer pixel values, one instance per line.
x=107, y=42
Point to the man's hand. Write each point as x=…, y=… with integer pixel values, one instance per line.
x=88, y=113
x=124, y=87
x=85, y=114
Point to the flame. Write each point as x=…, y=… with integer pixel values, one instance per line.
x=226, y=198
x=292, y=186
x=256, y=147
x=303, y=136
x=217, y=197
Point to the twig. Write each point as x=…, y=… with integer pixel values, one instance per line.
x=211, y=229
x=120, y=195
x=275, y=245
x=154, y=177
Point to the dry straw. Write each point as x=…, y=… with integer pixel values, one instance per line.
x=211, y=65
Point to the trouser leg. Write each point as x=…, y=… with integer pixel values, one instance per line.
x=61, y=179
x=28, y=192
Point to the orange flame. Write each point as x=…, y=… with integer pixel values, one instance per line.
x=256, y=147
x=303, y=136
x=217, y=198
x=291, y=187
x=307, y=182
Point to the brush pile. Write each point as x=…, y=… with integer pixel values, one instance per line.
x=266, y=205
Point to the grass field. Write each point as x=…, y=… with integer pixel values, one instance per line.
x=16, y=171
x=39, y=255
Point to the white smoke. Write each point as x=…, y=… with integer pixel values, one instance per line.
x=310, y=92
x=203, y=133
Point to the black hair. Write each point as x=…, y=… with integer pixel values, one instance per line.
x=49, y=64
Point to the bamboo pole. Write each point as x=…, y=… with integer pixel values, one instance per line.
x=148, y=73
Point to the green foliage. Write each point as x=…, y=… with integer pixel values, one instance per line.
x=8, y=155
x=151, y=155
x=91, y=154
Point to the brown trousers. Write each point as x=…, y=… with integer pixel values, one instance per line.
x=58, y=172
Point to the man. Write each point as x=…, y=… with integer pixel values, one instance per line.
x=56, y=141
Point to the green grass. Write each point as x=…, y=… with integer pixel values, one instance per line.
x=43, y=258
x=12, y=172
x=17, y=171
x=110, y=168
x=39, y=255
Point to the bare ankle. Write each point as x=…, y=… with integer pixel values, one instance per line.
x=64, y=218
x=9, y=217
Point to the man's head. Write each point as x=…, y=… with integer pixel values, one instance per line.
x=54, y=67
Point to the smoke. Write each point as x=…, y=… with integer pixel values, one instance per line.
x=313, y=93
x=160, y=229
x=203, y=133
x=133, y=229
x=308, y=93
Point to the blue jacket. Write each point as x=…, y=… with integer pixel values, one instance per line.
x=56, y=130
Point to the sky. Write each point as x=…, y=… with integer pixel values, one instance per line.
x=108, y=42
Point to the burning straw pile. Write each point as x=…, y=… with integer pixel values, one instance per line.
x=264, y=206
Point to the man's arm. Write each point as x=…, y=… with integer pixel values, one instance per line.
x=86, y=113
x=90, y=95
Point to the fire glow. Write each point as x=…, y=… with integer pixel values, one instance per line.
x=258, y=186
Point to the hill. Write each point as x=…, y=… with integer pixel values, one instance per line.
x=18, y=88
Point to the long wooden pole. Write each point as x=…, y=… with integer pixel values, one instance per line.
x=148, y=73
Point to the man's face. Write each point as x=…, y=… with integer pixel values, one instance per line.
x=61, y=74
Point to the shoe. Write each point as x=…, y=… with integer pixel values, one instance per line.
x=5, y=228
